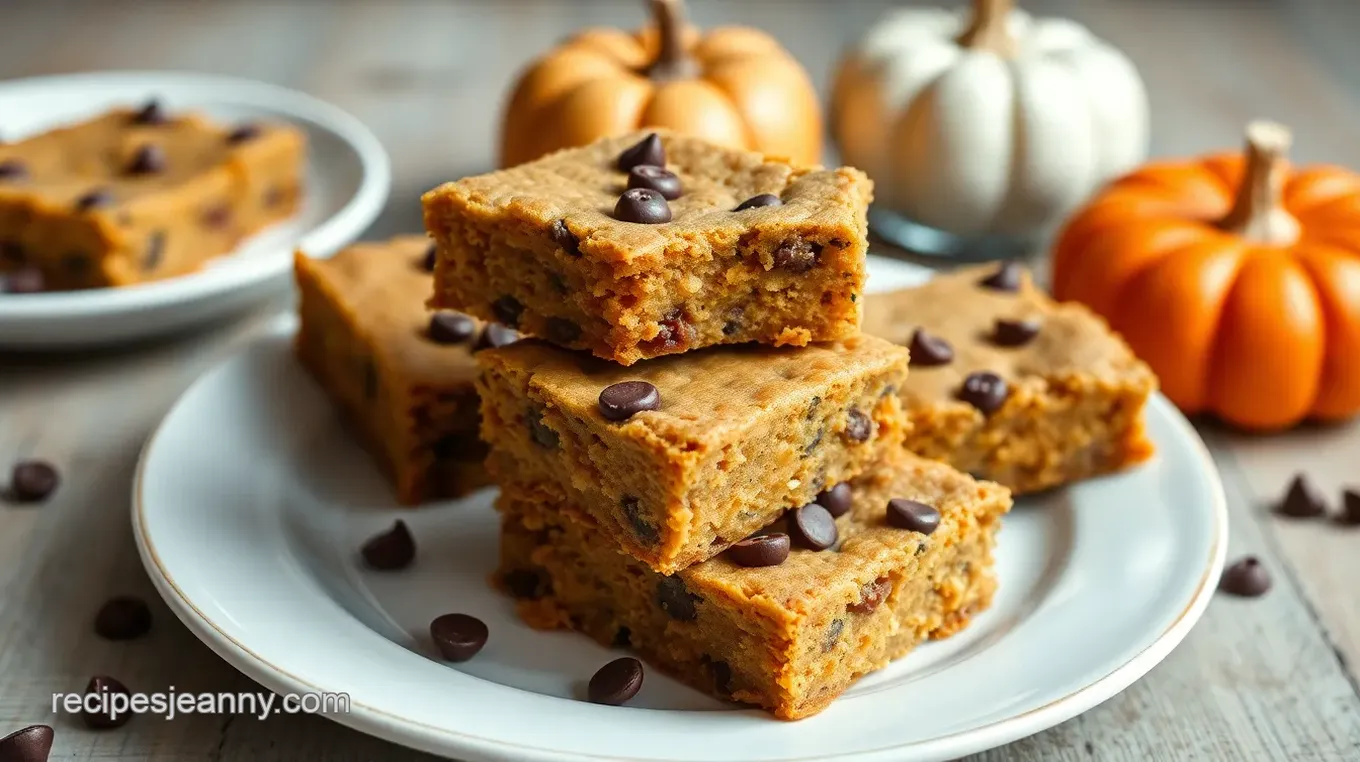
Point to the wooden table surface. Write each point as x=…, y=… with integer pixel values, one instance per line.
x=1272, y=678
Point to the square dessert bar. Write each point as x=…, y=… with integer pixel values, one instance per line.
x=600, y=248
x=1010, y=386
x=676, y=458
x=400, y=376
x=791, y=636
x=140, y=195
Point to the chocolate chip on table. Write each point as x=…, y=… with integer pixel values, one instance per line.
x=154, y=252
x=31, y=744
x=1014, y=333
x=94, y=199
x=646, y=151
x=833, y=634
x=458, y=636
x=813, y=527
x=1245, y=578
x=28, y=280
x=151, y=113
x=616, y=682
x=496, y=335
x=1005, y=278
x=123, y=618
x=797, y=255
x=148, y=160
x=1350, y=507
x=562, y=236
x=642, y=205
x=656, y=178
x=12, y=169
x=760, y=550
x=985, y=391
x=836, y=500
x=427, y=264
x=1302, y=500
x=871, y=595
x=507, y=310
x=645, y=531
x=562, y=331
x=621, y=401
x=105, y=718
x=928, y=350
x=913, y=516
x=525, y=584
x=858, y=426
x=448, y=327
x=392, y=550
x=32, y=481
x=540, y=432
x=243, y=134
x=764, y=199
x=676, y=600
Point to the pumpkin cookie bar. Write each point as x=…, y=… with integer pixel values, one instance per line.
x=676, y=458
x=401, y=376
x=773, y=622
x=1010, y=386
x=139, y=195
x=649, y=245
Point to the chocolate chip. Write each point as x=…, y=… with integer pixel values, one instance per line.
x=645, y=531
x=94, y=199
x=496, y=335
x=458, y=636
x=151, y=113
x=833, y=634
x=985, y=391
x=75, y=263
x=562, y=331
x=642, y=205
x=562, y=236
x=913, y=516
x=1302, y=501
x=148, y=160
x=243, y=134
x=525, y=584
x=646, y=151
x=431, y=253
x=1014, y=333
x=836, y=500
x=676, y=600
x=764, y=199
x=655, y=178
x=721, y=672
x=1350, y=507
x=12, y=169
x=1245, y=578
x=1005, y=278
x=796, y=255
x=815, y=442
x=104, y=717
x=858, y=426
x=928, y=350
x=812, y=526
x=32, y=481
x=558, y=284
x=540, y=432
x=218, y=216
x=123, y=618
x=871, y=595
x=621, y=401
x=31, y=744
x=155, y=251
x=730, y=328
x=28, y=280
x=616, y=682
x=813, y=404
x=674, y=333
x=459, y=446
x=507, y=310
x=392, y=550
x=760, y=550
x=447, y=327
x=623, y=638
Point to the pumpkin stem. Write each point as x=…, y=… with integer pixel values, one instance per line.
x=989, y=29
x=672, y=62
x=1258, y=212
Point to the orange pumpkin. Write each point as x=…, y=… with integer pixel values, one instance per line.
x=1234, y=277
x=735, y=86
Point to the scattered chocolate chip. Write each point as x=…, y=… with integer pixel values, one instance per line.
x=1245, y=578
x=243, y=134
x=913, y=516
x=154, y=252
x=621, y=401
x=507, y=310
x=28, y=280
x=764, y=199
x=540, y=432
x=1350, y=507
x=562, y=331
x=1014, y=333
x=833, y=634
x=674, y=333
x=928, y=350
x=217, y=216
x=458, y=636
x=871, y=595
x=642, y=205
x=447, y=327
x=123, y=618
x=985, y=391
x=12, y=169
x=616, y=682
x=760, y=550
x=392, y=550
x=836, y=500
x=655, y=178
x=148, y=160
x=496, y=335
x=105, y=718
x=730, y=328
x=813, y=404
x=32, y=481
x=645, y=531
x=797, y=255
x=646, y=151
x=858, y=426
x=676, y=600
x=815, y=442
x=562, y=236
x=151, y=113
x=1005, y=278
x=525, y=584
x=813, y=527
x=623, y=638
x=1302, y=500
x=31, y=744
x=94, y=199
x=427, y=264
x=721, y=672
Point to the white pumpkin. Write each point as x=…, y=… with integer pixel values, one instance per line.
x=987, y=121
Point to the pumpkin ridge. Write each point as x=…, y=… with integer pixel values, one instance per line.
x=1334, y=271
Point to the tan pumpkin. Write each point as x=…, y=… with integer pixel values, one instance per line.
x=734, y=85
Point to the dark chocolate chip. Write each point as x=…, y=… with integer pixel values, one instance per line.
x=674, y=333
x=123, y=618
x=217, y=216
x=928, y=350
x=676, y=600
x=562, y=236
x=31, y=744
x=94, y=199
x=32, y=481
x=151, y=113
x=105, y=717
x=645, y=531
x=1014, y=333
x=646, y=151
x=764, y=199
x=623, y=638
x=28, y=280
x=797, y=255
x=154, y=252
x=243, y=134
x=730, y=328
x=621, y=401
x=496, y=335
x=148, y=160
x=447, y=327
x=813, y=404
x=458, y=636
x=871, y=595
x=371, y=380
x=642, y=205
x=1302, y=501
x=1350, y=507
x=655, y=178
x=815, y=442
x=392, y=550
x=540, y=432
x=556, y=281
x=1005, y=278
x=760, y=550
x=526, y=584
x=985, y=391
x=431, y=253
x=913, y=516
x=562, y=331
x=836, y=500
x=616, y=682
x=507, y=310
x=12, y=169
x=813, y=527
x=833, y=634
x=858, y=426
x=1245, y=578
x=721, y=672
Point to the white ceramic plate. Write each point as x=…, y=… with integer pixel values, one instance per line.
x=250, y=532
x=348, y=179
